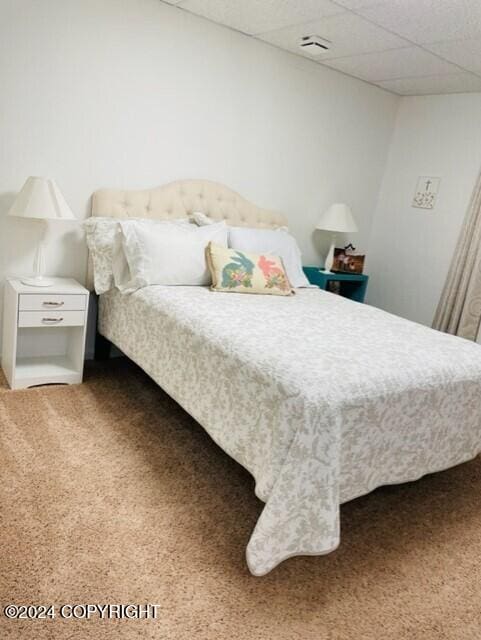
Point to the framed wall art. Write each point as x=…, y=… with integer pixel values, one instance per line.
x=426, y=192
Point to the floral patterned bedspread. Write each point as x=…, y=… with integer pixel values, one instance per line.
x=320, y=398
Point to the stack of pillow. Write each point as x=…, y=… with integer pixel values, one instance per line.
x=135, y=253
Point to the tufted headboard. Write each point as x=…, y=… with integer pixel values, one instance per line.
x=180, y=199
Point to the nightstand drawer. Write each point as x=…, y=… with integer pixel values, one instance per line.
x=53, y=302
x=51, y=318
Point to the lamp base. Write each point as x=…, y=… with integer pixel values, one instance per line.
x=37, y=281
x=330, y=256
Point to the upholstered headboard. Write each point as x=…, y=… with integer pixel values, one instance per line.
x=179, y=200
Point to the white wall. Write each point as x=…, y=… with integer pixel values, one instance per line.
x=411, y=249
x=135, y=93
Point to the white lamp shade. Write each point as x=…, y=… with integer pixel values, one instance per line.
x=40, y=198
x=338, y=218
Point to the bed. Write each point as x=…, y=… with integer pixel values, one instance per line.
x=320, y=398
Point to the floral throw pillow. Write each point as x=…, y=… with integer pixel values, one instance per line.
x=241, y=272
x=100, y=234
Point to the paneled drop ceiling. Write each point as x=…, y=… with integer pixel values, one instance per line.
x=409, y=47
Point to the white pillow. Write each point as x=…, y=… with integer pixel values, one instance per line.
x=165, y=253
x=101, y=234
x=274, y=241
x=201, y=219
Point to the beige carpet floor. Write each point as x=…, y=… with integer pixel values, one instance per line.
x=111, y=493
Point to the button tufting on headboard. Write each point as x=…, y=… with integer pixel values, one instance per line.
x=180, y=199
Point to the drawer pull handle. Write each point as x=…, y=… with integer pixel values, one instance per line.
x=52, y=304
x=52, y=320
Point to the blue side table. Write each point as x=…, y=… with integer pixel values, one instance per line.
x=352, y=285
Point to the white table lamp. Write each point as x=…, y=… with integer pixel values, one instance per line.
x=337, y=219
x=40, y=198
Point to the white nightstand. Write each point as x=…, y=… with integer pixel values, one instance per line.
x=44, y=333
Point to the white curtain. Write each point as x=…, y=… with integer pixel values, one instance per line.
x=459, y=309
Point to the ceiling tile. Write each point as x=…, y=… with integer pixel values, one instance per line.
x=453, y=83
x=427, y=21
x=252, y=16
x=348, y=33
x=396, y=63
x=465, y=53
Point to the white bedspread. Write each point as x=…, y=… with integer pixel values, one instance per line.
x=320, y=398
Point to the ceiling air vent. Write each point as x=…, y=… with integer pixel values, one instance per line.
x=314, y=45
